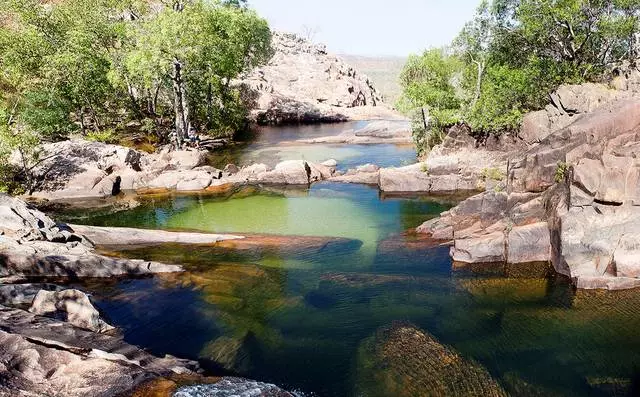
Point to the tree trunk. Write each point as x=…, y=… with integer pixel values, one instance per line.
x=476, y=97
x=181, y=105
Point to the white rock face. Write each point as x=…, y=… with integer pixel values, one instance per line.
x=304, y=83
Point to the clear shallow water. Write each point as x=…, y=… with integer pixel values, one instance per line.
x=297, y=314
x=271, y=145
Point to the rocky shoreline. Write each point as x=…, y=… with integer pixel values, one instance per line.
x=53, y=340
x=568, y=200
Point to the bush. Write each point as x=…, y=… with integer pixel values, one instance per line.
x=107, y=135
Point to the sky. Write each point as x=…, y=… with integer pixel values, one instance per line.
x=370, y=27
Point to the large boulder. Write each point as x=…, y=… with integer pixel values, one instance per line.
x=72, y=306
x=83, y=169
x=569, y=103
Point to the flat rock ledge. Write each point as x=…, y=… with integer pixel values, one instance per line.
x=44, y=356
x=33, y=245
x=570, y=200
x=129, y=236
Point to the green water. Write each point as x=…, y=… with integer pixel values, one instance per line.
x=297, y=315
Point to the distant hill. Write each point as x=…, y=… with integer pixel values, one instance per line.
x=383, y=71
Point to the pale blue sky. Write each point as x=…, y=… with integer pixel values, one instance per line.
x=371, y=27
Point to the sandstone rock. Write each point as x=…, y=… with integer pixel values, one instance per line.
x=569, y=199
x=71, y=260
x=43, y=356
x=366, y=178
x=303, y=83
x=374, y=132
x=535, y=127
x=83, y=169
x=186, y=159
x=530, y=243
x=72, y=306
x=194, y=181
x=22, y=294
x=330, y=163
x=485, y=249
x=231, y=169
x=289, y=172
x=129, y=236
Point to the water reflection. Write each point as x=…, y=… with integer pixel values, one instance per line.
x=271, y=145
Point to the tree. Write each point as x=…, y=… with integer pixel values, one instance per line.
x=198, y=51
x=514, y=52
x=428, y=81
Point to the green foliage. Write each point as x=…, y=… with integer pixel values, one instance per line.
x=508, y=58
x=212, y=45
x=18, y=154
x=494, y=174
x=107, y=135
x=92, y=66
x=561, y=172
x=429, y=94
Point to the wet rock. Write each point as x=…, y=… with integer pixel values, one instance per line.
x=70, y=305
x=402, y=360
x=44, y=356
x=130, y=236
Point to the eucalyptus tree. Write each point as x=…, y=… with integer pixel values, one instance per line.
x=194, y=48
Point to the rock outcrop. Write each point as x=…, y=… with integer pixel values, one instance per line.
x=304, y=83
x=44, y=356
x=375, y=132
x=33, y=245
x=570, y=200
x=403, y=360
x=77, y=169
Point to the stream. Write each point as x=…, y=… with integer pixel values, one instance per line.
x=297, y=314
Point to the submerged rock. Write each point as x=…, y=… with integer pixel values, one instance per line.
x=402, y=360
